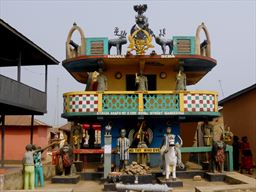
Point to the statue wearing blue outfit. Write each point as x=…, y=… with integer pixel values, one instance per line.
x=38, y=168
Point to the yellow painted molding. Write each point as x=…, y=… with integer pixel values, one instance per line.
x=139, y=92
x=100, y=102
x=181, y=102
x=215, y=103
x=141, y=104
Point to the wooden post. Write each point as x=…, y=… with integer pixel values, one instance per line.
x=3, y=139
x=19, y=68
x=32, y=129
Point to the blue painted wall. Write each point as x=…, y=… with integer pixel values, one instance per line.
x=158, y=127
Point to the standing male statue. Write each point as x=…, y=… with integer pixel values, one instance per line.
x=142, y=82
x=181, y=80
x=102, y=81
x=123, y=145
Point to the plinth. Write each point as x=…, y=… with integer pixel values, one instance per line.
x=215, y=176
x=170, y=182
x=72, y=179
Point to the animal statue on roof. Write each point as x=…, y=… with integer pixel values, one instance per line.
x=141, y=22
x=160, y=40
x=117, y=42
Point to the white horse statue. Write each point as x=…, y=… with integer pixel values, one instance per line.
x=172, y=157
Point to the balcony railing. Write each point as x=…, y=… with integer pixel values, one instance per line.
x=16, y=95
x=140, y=103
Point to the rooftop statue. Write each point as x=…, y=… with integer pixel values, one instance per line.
x=141, y=35
x=160, y=40
x=118, y=42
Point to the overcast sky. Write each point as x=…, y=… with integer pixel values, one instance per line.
x=231, y=25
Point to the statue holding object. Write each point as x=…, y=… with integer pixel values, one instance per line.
x=29, y=165
x=102, y=81
x=142, y=81
x=181, y=79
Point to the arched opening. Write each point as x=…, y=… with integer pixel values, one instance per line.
x=72, y=48
x=203, y=48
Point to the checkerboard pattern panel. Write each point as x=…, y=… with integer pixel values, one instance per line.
x=81, y=103
x=198, y=103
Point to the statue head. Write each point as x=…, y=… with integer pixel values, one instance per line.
x=172, y=140
x=123, y=133
x=100, y=70
x=168, y=130
x=140, y=9
x=181, y=68
x=29, y=147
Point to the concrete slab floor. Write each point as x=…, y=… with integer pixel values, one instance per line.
x=97, y=186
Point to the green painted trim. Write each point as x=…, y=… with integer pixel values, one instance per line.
x=152, y=113
x=88, y=42
x=192, y=43
x=229, y=149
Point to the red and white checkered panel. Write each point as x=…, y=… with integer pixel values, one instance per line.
x=198, y=103
x=81, y=103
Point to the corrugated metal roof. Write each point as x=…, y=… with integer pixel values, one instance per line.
x=13, y=43
x=24, y=120
x=237, y=94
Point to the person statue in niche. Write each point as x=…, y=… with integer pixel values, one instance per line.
x=77, y=136
x=102, y=81
x=208, y=133
x=123, y=145
x=142, y=81
x=164, y=148
x=181, y=80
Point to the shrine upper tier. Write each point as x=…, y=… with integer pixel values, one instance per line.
x=142, y=51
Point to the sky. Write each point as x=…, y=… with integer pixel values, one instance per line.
x=231, y=25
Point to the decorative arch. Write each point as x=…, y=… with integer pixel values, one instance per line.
x=70, y=52
x=208, y=46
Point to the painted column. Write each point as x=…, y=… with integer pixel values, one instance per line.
x=107, y=155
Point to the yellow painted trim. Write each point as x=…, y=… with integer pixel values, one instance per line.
x=141, y=104
x=100, y=102
x=139, y=92
x=65, y=98
x=215, y=103
x=181, y=102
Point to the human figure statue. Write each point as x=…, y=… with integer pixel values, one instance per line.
x=142, y=82
x=167, y=141
x=77, y=137
x=123, y=145
x=141, y=140
x=108, y=128
x=208, y=133
x=66, y=153
x=102, y=81
x=29, y=169
x=218, y=155
x=38, y=167
x=181, y=80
